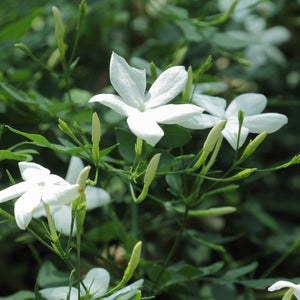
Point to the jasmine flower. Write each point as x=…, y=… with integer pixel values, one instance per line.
x=294, y=289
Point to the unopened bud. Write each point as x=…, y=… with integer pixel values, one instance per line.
x=96, y=130
x=188, y=87
x=212, y=212
x=240, y=175
x=251, y=147
x=241, y=117
x=23, y=47
x=82, y=178
x=59, y=30
x=153, y=70
x=63, y=126
x=151, y=169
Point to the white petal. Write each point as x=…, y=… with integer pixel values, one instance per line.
x=62, y=217
x=129, y=82
x=58, y=293
x=127, y=292
x=297, y=291
x=230, y=132
x=174, y=113
x=26, y=204
x=200, y=121
x=213, y=105
x=280, y=284
x=250, y=104
x=57, y=191
x=145, y=128
x=14, y=191
x=275, y=55
x=115, y=103
x=166, y=87
x=256, y=54
x=276, y=35
x=33, y=171
x=39, y=211
x=270, y=122
x=95, y=197
x=96, y=281
x=75, y=167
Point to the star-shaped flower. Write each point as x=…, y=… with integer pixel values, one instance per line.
x=251, y=104
x=62, y=214
x=145, y=110
x=96, y=282
x=38, y=186
x=294, y=289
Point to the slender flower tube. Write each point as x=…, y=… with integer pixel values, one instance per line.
x=38, y=186
x=145, y=110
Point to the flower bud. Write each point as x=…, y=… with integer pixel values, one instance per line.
x=23, y=47
x=153, y=70
x=188, y=87
x=240, y=175
x=212, y=212
x=96, y=130
x=133, y=262
x=59, y=30
x=151, y=169
x=82, y=178
x=251, y=147
x=63, y=126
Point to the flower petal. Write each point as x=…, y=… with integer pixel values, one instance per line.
x=213, y=105
x=166, y=87
x=32, y=171
x=173, y=113
x=276, y=35
x=14, y=191
x=62, y=217
x=230, y=132
x=96, y=281
x=26, y=204
x=280, y=284
x=95, y=197
x=127, y=292
x=256, y=54
x=297, y=291
x=129, y=82
x=59, y=293
x=115, y=103
x=57, y=191
x=75, y=167
x=200, y=121
x=270, y=122
x=250, y=104
x=144, y=127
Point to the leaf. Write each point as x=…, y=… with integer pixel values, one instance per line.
x=107, y=150
x=24, y=295
x=18, y=95
x=175, y=136
x=49, y=276
x=6, y=154
x=126, y=141
x=233, y=274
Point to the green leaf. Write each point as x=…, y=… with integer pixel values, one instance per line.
x=18, y=28
x=175, y=136
x=24, y=295
x=107, y=150
x=6, y=154
x=18, y=95
x=233, y=274
x=126, y=142
x=48, y=276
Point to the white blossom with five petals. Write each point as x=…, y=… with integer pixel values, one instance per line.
x=286, y=284
x=38, y=186
x=62, y=214
x=96, y=282
x=251, y=104
x=145, y=110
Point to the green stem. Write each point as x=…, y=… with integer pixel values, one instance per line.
x=174, y=247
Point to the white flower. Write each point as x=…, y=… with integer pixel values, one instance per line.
x=38, y=186
x=144, y=111
x=251, y=104
x=62, y=214
x=97, y=283
x=286, y=284
x=262, y=42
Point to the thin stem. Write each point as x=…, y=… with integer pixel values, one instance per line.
x=170, y=255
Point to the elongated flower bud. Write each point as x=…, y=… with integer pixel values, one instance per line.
x=96, y=130
x=59, y=30
x=251, y=147
x=188, y=87
x=151, y=169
